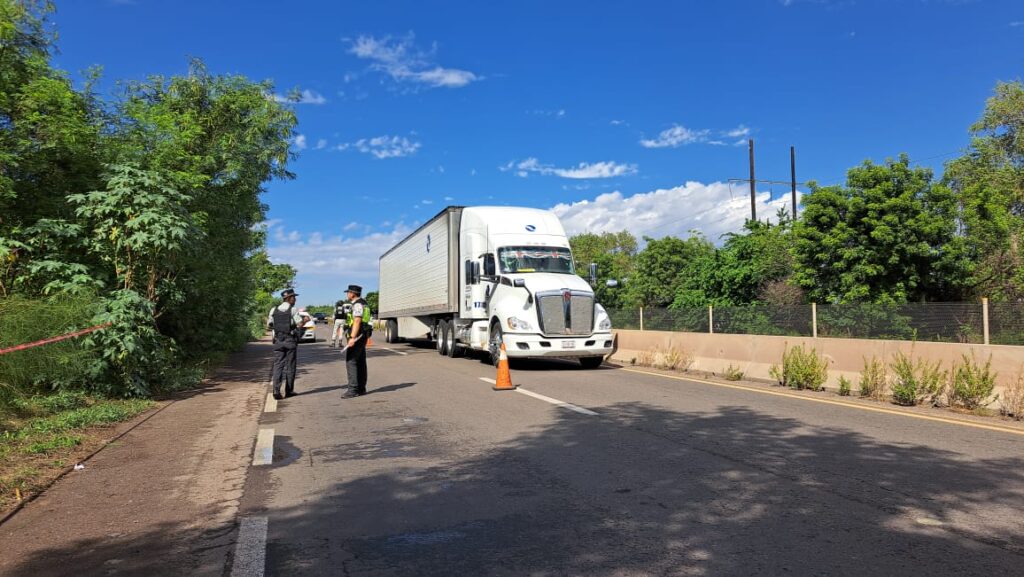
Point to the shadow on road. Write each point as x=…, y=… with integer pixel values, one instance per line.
x=640, y=490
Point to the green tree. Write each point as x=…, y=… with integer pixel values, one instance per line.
x=665, y=269
x=221, y=139
x=373, y=299
x=989, y=184
x=750, y=264
x=614, y=253
x=888, y=236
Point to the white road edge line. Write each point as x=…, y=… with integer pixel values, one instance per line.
x=562, y=404
x=251, y=548
x=271, y=405
x=264, y=454
x=393, y=351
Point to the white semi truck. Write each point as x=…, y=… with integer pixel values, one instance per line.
x=474, y=277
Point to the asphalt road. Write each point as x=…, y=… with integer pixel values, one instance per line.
x=434, y=473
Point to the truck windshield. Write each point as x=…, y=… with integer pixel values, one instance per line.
x=517, y=259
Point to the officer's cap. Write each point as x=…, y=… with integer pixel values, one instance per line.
x=354, y=288
x=289, y=293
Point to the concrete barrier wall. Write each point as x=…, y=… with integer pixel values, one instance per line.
x=755, y=354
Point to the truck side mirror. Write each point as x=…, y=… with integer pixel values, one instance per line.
x=489, y=265
x=521, y=283
x=611, y=283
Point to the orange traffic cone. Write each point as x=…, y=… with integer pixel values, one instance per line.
x=369, y=342
x=504, y=380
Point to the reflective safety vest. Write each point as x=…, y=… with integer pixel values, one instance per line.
x=365, y=328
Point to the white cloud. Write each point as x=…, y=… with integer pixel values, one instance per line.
x=449, y=198
x=584, y=170
x=713, y=209
x=385, y=146
x=738, y=132
x=321, y=144
x=327, y=263
x=304, y=97
x=403, y=62
x=299, y=141
x=1017, y=23
x=675, y=137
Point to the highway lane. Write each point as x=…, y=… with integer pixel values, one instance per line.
x=433, y=473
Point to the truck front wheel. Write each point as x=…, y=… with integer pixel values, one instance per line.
x=494, y=345
x=591, y=362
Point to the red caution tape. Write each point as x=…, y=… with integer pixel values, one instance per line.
x=54, y=339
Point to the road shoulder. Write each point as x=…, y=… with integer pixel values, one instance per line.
x=162, y=499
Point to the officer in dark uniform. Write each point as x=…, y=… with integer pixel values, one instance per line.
x=359, y=332
x=285, y=320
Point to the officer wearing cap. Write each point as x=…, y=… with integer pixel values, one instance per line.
x=285, y=321
x=359, y=332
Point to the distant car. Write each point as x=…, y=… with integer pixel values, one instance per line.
x=308, y=327
x=320, y=317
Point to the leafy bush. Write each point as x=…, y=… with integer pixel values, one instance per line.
x=874, y=380
x=844, y=386
x=972, y=383
x=916, y=381
x=801, y=369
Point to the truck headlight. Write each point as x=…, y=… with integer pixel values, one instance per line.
x=519, y=324
x=603, y=322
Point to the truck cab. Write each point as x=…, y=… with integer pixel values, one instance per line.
x=519, y=286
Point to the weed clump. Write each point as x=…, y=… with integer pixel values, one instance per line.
x=874, y=380
x=916, y=381
x=801, y=369
x=972, y=383
x=844, y=386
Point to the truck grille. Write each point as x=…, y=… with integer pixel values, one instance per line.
x=565, y=312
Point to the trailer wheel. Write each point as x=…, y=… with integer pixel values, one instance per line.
x=494, y=344
x=391, y=331
x=442, y=337
x=591, y=362
x=450, y=344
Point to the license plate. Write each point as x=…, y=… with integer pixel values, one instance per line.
x=568, y=344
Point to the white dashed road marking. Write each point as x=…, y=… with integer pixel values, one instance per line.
x=264, y=454
x=393, y=351
x=556, y=402
x=251, y=548
x=271, y=405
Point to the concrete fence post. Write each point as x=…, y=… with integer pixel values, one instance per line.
x=711, y=319
x=814, y=320
x=984, y=317
x=641, y=318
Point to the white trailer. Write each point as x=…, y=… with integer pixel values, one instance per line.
x=474, y=277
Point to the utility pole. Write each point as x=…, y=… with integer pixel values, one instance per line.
x=792, y=175
x=753, y=183
x=753, y=180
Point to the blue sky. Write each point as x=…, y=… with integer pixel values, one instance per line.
x=617, y=115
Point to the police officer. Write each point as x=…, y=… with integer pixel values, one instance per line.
x=359, y=331
x=339, y=332
x=285, y=320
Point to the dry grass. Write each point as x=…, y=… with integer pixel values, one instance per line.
x=1011, y=402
